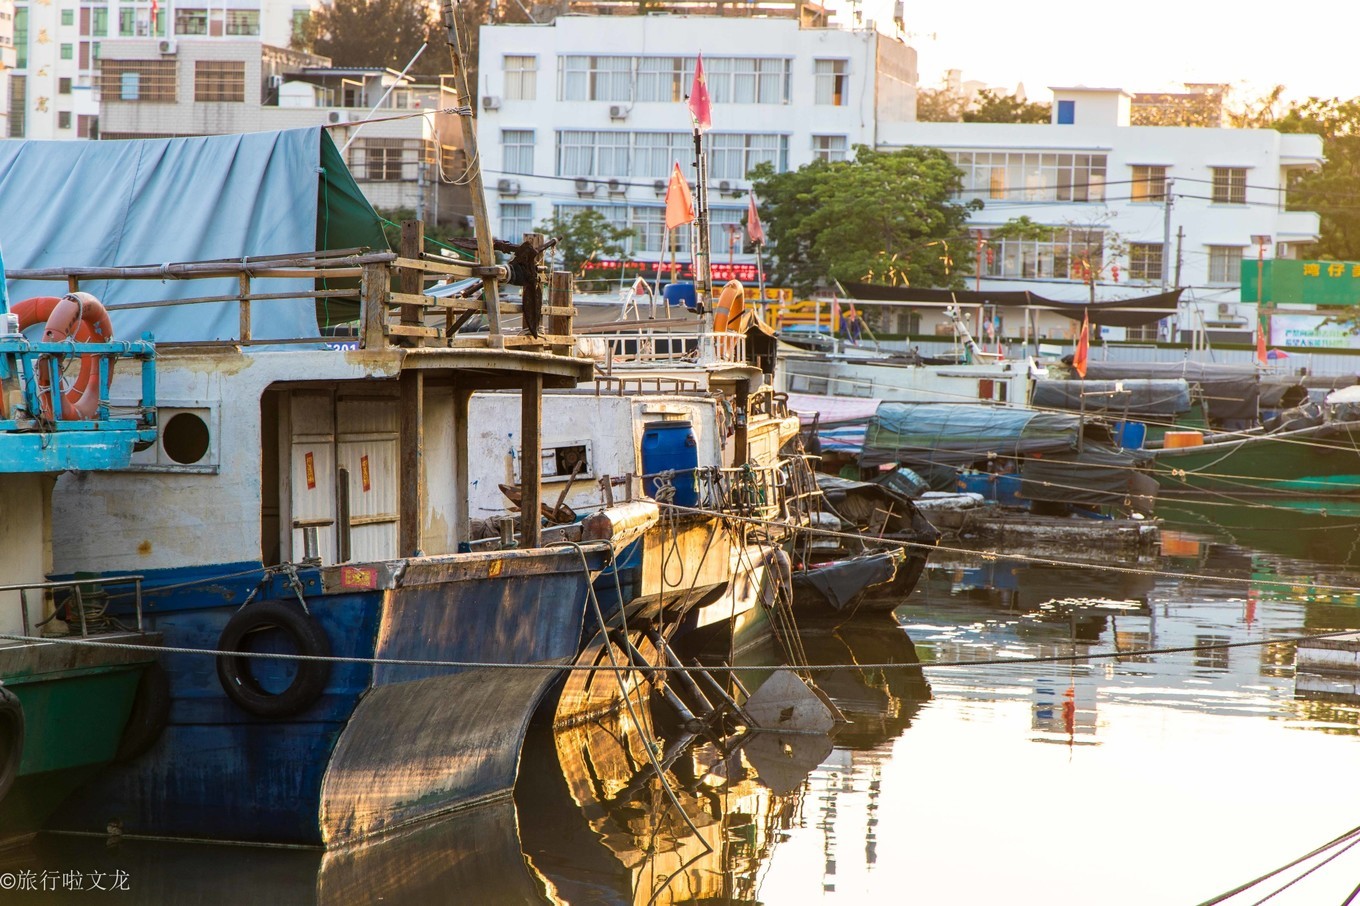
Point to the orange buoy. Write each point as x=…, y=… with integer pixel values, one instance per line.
x=731, y=302
x=80, y=318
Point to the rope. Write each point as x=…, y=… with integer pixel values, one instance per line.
x=1024, y=558
x=666, y=668
x=1336, y=841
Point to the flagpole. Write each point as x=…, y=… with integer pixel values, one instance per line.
x=660, y=263
x=703, y=276
x=760, y=272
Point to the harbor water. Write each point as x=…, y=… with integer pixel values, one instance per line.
x=1117, y=777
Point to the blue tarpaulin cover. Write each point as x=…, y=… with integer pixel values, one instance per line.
x=155, y=201
x=948, y=434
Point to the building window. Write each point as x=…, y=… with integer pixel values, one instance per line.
x=63, y=86
x=63, y=119
x=380, y=159
x=1149, y=184
x=733, y=156
x=219, y=80
x=1020, y=176
x=189, y=22
x=68, y=17
x=20, y=44
x=18, y=103
x=87, y=126
x=1067, y=113
x=1230, y=185
x=582, y=153
x=831, y=82
x=99, y=22
x=1061, y=254
x=655, y=153
x=68, y=51
x=1225, y=264
x=521, y=78
x=828, y=147
x=661, y=79
x=243, y=21
x=138, y=80
x=1145, y=262
x=595, y=79
x=519, y=150
x=517, y=218
x=731, y=80
x=300, y=17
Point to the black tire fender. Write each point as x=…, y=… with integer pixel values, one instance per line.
x=150, y=713
x=11, y=739
x=234, y=670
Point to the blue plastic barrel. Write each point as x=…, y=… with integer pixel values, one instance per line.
x=671, y=445
x=1130, y=435
x=681, y=294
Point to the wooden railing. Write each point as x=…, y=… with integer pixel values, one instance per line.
x=407, y=316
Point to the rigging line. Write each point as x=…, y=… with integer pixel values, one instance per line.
x=567, y=667
x=1336, y=841
x=1333, y=857
x=1048, y=561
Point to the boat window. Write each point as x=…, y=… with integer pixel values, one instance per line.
x=185, y=438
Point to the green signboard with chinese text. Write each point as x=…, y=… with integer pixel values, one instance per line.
x=1288, y=282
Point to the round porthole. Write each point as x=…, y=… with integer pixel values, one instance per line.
x=185, y=438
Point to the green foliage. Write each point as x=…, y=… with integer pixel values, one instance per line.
x=938, y=105
x=1334, y=190
x=385, y=33
x=993, y=107
x=583, y=237
x=885, y=216
x=1022, y=228
x=435, y=234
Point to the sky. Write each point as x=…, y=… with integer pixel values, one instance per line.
x=1153, y=45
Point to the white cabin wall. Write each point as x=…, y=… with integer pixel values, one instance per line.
x=26, y=543
x=440, y=464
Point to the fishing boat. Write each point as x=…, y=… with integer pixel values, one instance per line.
x=66, y=710
x=334, y=623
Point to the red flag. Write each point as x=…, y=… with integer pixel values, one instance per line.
x=679, y=202
x=700, y=106
x=753, y=226
x=1083, y=352
x=1261, y=340
x=155, y=14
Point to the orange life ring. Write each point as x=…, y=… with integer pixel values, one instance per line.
x=79, y=317
x=731, y=301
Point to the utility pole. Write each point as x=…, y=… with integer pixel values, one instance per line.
x=1180, y=239
x=1166, y=235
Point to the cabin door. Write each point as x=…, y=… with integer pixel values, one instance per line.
x=344, y=489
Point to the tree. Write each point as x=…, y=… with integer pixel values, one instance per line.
x=583, y=237
x=885, y=216
x=993, y=107
x=388, y=33
x=1334, y=190
x=938, y=105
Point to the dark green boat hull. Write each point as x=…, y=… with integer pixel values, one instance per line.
x=1323, y=461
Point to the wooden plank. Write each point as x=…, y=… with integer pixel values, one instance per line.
x=531, y=481
x=436, y=267
x=413, y=493
x=410, y=330
x=560, y=309
x=253, y=297
x=244, y=303
x=412, y=245
x=545, y=340
x=374, y=286
x=415, y=299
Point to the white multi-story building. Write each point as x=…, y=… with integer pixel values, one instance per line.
x=7, y=59
x=589, y=112
x=1146, y=207
x=58, y=44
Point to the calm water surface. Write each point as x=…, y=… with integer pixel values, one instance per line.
x=1142, y=779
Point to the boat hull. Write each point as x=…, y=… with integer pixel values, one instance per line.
x=385, y=744
x=76, y=701
x=1311, y=462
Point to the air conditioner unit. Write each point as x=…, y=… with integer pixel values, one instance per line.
x=617, y=188
x=660, y=187
x=276, y=82
x=168, y=47
x=585, y=187
x=618, y=112
x=725, y=187
x=491, y=102
x=507, y=186
x=1225, y=310
x=337, y=116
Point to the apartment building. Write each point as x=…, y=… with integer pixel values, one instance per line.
x=58, y=45
x=589, y=112
x=1132, y=209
